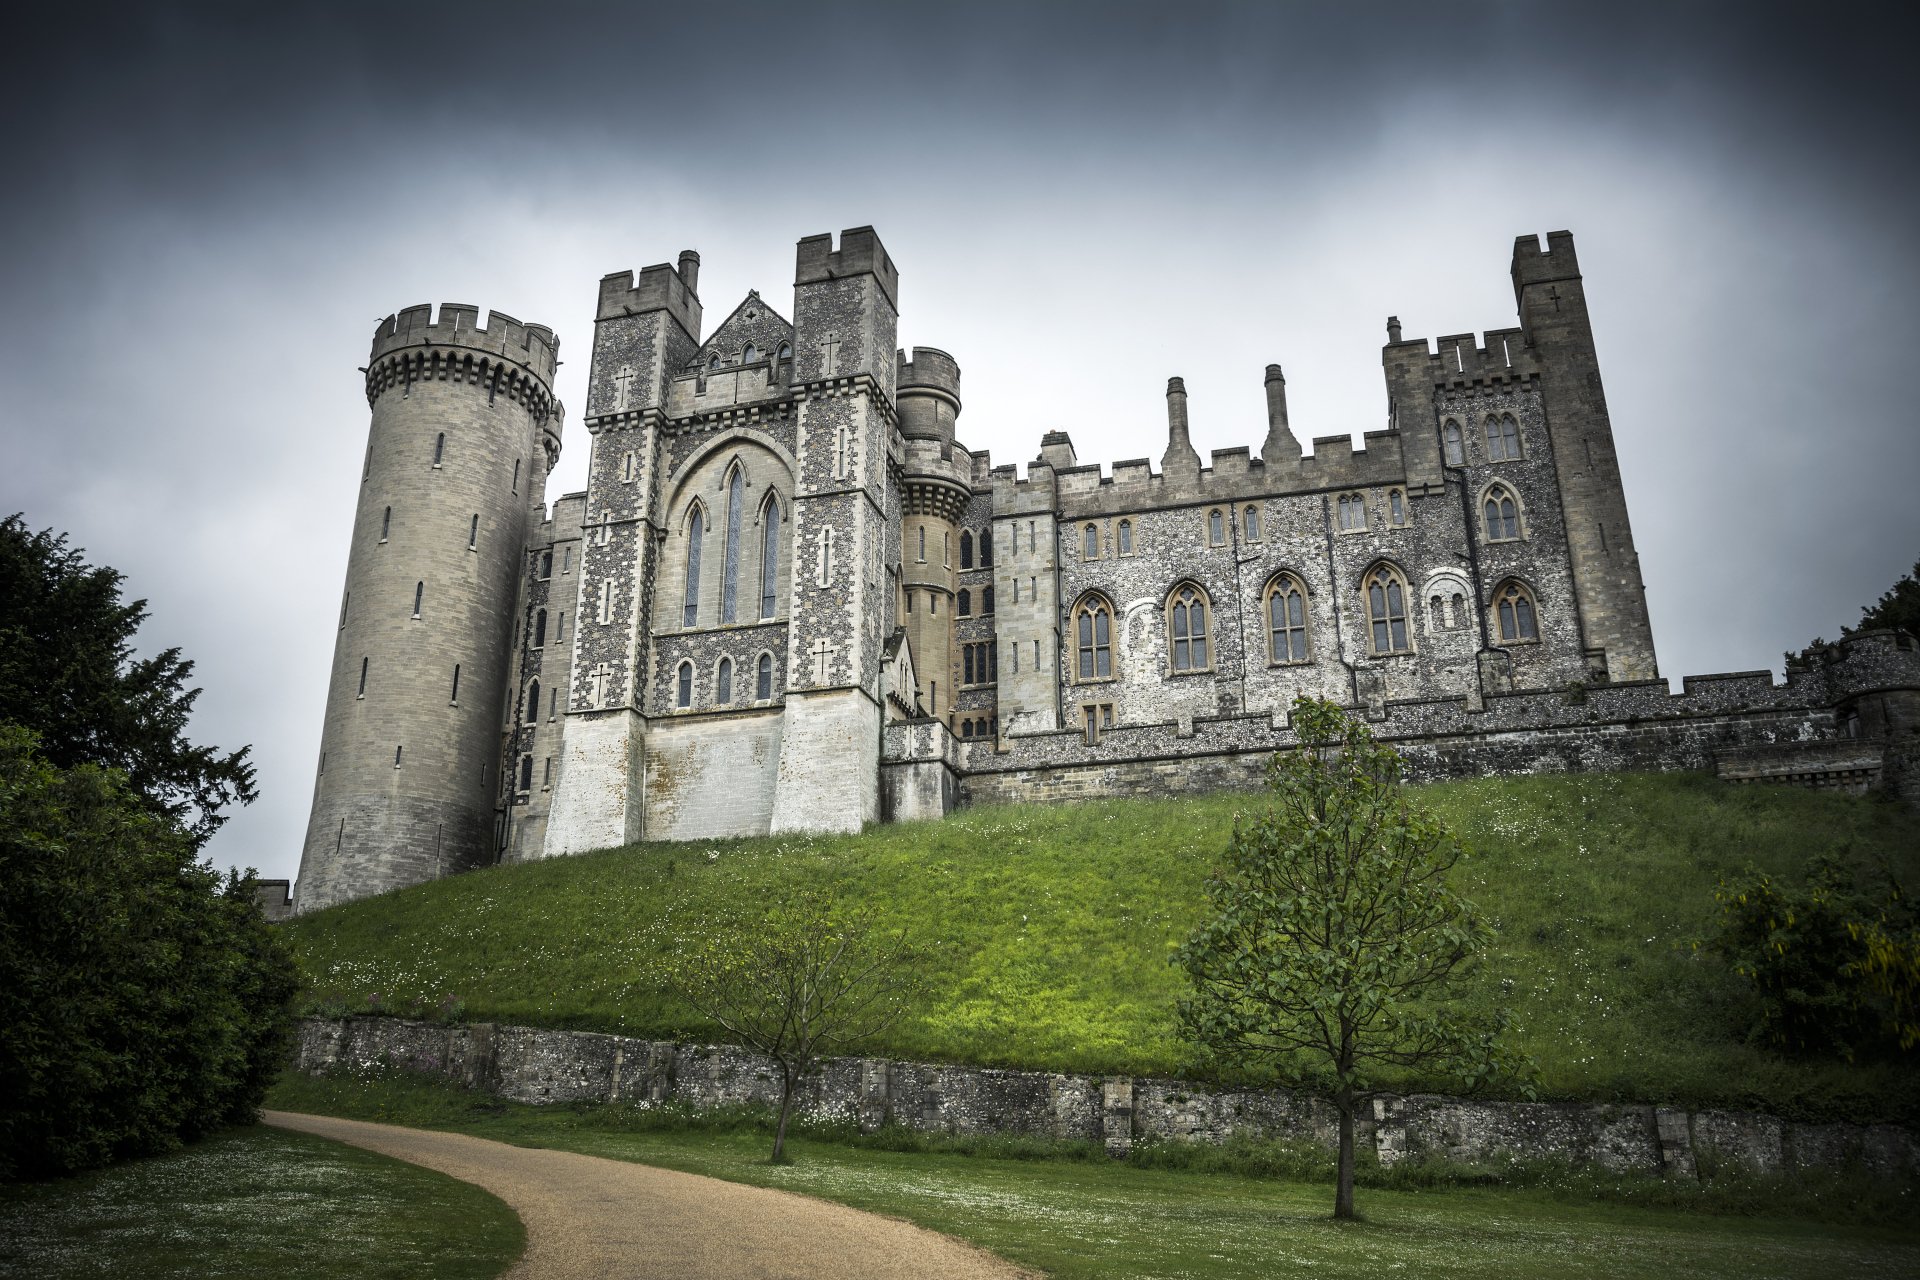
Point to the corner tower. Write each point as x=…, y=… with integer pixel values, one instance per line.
x=1606, y=569
x=464, y=429
x=935, y=486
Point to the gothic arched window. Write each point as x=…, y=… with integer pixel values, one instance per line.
x=684, y=694
x=986, y=600
x=696, y=532
x=1093, y=636
x=965, y=609
x=539, y=628
x=966, y=549
x=1090, y=542
x=1187, y=628
x=1503, y=438
x=769, y=555
x=1250, y=523
x=1386, y=594
x=763, y=682
x=1286, y=620
x=531, y=712
x=1123, y=537
x=1503, y=515
x=1455, y=447
x=730, y=570
x=786, y=352
x=1352, y=509
x=986, y=549
x=1513, y=607
x=723, y=683
x=1216, y=529
x=1396, y=507
x=750, y=354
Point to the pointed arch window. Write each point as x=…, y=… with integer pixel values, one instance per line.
x=1187, y=628
x=1386, y=596
x=1090, y=542
x=683, y=696
x=1250, y=523
x=965, y=604
x=1216, y=528
x=986, y=549
x=1514, y=609
x=1396, y=507
x=763, y=681
x=966, y=549
x=1123, y=537
x=1286, y=620
x=1352, y=509
x=986, y=600
x=1455, y=446
x=769, y=555
x=531, y=711
x=696, y=532
x=786, y=352
x=1503, y=438
x=713, y=361
x=1093, y=634
x=750, y=354
x=723, y=683
x=539, y=628
x=730, y=572
x=1502, y=513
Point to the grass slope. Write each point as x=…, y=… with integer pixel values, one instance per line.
x=258, y=1202
x=1051, y=929
x=1093, y=1217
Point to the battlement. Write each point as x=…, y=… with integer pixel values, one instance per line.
x=458, y=325
x=931, y=371
x=860, y=252
x=660, y=287
x=1455, y=359
x=1535, y=265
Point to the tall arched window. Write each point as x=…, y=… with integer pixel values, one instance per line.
x=730, y=571
x=769, y=555
x=684, y=695
x=1093, y=632
x=696, y=532
x=986, y=600
x=1513, y=606
x=965, y=603
x=763, y=682
x=786, y=352
x=966, y=549
x=986, y=549
x=1187, y=628
x=1503, y=438
x=1090, y=542
x=750, y=354
x=1396, y=506
x=1216, y=529
x=539, y=628
x=1387, y=611
x=1123, y=537
x=1352, y=509
x=1503, y=516
x=531, y=712
x=1250, y=523
x=923, y=544
x=1456, y=449
x=723, y=683
x=1286, y=620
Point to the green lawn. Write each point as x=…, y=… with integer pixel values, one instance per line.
x=1051, y=927
x=258, y=1202
x=1091, y=1217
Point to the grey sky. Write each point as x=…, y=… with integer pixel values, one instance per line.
x=207, y=210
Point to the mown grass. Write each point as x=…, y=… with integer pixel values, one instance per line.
x=1072, y=1212
x=258, y=1202
x=1049, y=932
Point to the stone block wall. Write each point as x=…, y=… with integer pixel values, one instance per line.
x=531, y=1065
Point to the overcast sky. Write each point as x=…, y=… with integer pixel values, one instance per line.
x=206, y=211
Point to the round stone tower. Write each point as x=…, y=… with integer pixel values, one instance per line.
x=465, y=428
x=936, y=483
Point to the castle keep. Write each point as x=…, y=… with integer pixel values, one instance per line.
x=791, y=599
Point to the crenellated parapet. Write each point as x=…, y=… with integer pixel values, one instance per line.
x=506, y=359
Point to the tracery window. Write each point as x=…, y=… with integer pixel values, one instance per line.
x=723, y=683
x=769, y=555
x=1123, y=536
x=1386, y=596
x=684, y=694
x=1216, y=529
x=696, y=532
x=730, y=571
x=1503, y=515
x=1093, y=634
x=1503, y=438
x=1455, y=447
x=1286, y=620
x=1187, y=628
x=1513, y=607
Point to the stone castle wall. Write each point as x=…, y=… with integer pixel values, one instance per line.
x=536, y=1066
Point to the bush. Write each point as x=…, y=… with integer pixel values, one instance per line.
x=145, y=1001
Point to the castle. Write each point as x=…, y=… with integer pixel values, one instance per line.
x=790, y=599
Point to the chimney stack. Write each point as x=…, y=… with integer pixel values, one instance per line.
x=1280, y=445
x=690, y=270
x=1179, y=456
x=1393, y=328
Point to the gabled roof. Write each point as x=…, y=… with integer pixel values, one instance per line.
x=752, y=322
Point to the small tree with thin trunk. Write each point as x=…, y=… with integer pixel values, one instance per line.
x=808, y=977
x=1333, y=938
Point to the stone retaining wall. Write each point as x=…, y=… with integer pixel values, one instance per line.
x=527, y=1064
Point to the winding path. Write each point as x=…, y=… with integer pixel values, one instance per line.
x=589, y=1217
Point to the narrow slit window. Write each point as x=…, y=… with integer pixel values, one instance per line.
x=363, y=677
x=723, y=683
x=516, y=475
x=1124, y=537
x=386, y=523
x=763, y=681
x=439, y=448
x=769, y=558
x=539, y=628
x=966, y=549
x=1454, y=445
x=684, y=695
x=1216, y=529
x=696, y=530
x=1250, y=524
x=986, y=549
x=986, y=600
x=1090, y=543
x=473, y=533
x=964, y=606
x=419, y=594
x=454, y=696
x=730, y=567
x=532, y=709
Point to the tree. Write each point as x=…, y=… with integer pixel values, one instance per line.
x=807, y=976
x=1333, y=938
x=1899, y=607
x=68, y=672
x=145, y=1002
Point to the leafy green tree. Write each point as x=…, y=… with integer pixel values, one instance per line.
x=68, y=672
x=144, y=1001
x=1899, y=607
x=1333, y=940
x=807, y=977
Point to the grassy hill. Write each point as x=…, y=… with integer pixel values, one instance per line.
x=1051, y=930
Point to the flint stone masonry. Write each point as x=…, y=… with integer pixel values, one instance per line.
x=536, y=1066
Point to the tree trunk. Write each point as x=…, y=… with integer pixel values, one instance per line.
x=1343, y=1187
x=786, y=1108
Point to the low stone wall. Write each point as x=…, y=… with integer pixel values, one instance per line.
x=526, y=1064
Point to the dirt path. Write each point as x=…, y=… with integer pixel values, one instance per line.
x=608, y=1219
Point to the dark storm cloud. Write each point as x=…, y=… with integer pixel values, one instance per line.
x=207, y=208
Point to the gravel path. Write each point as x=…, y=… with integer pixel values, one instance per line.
x=609, y=1219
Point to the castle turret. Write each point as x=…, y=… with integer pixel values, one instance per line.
x=464, y=429
x=935, y=485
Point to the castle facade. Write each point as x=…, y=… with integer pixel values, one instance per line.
x=791, y=599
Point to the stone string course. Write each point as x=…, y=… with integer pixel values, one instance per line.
x=531, y=1065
